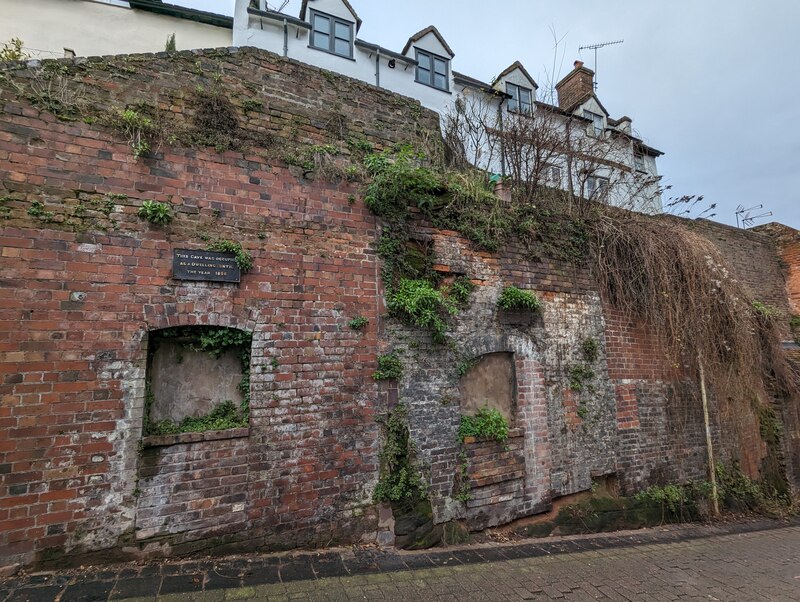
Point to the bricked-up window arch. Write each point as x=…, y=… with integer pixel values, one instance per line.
x=490, y=381
x=198, y=379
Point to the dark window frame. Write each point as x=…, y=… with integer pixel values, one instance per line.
x=331, y=34
x=515, y=102
x=598, y=122
x=430, y=80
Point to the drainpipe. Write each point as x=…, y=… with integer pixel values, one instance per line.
x=502, y=137
x=378, y=68
x=285, y=38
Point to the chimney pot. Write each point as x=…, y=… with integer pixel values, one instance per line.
x=578, y=64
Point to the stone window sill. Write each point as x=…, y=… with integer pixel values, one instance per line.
x=164, y=440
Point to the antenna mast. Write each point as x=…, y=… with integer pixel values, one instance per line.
x=596, y=47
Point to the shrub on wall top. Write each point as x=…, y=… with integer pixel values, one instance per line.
x=513, y=298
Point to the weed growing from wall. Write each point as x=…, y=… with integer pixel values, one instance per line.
x=487, y=423
x=390, y=367
x=400, y=481
x=155, y=212
x=511, y=298
x=243, y=259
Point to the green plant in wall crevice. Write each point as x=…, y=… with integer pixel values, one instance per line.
x=512, y=298
x=243, y=259
x=390, y=367
x=487, y=423
x=155, y=212
x=400, y=481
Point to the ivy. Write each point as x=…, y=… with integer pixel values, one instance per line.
x=225, y=416
x=389, y=367
x=400, y=482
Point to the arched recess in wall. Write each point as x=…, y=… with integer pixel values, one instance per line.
x=197, y=380
x=491, y=381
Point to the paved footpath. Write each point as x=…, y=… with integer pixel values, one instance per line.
x=746, y=561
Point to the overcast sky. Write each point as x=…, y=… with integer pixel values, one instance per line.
x=711, y=83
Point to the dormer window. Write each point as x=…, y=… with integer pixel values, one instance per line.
x=598, y=123
x=432, y=70
x=638, y=161
x=331, y=34
x=521, y=100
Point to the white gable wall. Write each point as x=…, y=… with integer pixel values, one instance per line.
x=335, y=8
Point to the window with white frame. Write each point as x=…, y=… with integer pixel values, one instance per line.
x=331, y=34
x=596, y=187
x=598, y=123
x=521, y=100
x=432, y=70
x=552, y=175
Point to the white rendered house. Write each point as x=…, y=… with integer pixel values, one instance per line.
x=612, y=163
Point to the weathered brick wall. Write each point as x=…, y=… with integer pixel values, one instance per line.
x=84, y=280
x=787, y=241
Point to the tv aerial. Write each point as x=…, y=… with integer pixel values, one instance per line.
x=745, y=217
x=597, y=47
x=281, y=7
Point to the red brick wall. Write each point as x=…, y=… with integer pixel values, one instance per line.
x=82, y=285
x=83, y=281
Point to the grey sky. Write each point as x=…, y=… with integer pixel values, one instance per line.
x=712, y=83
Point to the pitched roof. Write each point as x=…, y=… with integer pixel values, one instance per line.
x=582, y=100
x=517, y=65
x=182, y=12
x=422, y=33
x=347, y=5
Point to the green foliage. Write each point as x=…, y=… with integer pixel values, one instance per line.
x=769, y=426
x=487, y=423
x=463, y=493
x=156, y=212
x=389, y=367
x=358, y=323
x=37, y=210
x=794, y=322
x=590, y=349
x=252, y=105
x=243, y=259
x=470, y=207
x=458, y=293
x=214, y=340
x=765, y=311
x=419, y=303
x=670, y=497
x=12, y=51
x=512, y=298
x=400, y=481
x=578, y=377
x=138, y=127
x=170, y=46
x=465, y=366
x=399, y=179
x=225, y=416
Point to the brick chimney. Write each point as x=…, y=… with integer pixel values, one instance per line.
x=576, y=86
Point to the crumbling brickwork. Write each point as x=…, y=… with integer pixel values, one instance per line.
x=84, y=282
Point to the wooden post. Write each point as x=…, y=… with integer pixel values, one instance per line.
x=709, y=447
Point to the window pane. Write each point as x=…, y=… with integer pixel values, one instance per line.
x=342, y=30
x=440, y=67
x=322, y=24
x=525, y=97
x=321, y=40
x=424, y=61
x=440, y=81
x=342, y=47
x=513, y=105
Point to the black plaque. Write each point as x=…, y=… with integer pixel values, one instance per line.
x=205, y=265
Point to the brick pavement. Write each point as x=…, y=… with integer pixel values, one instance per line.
x=746, y=561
